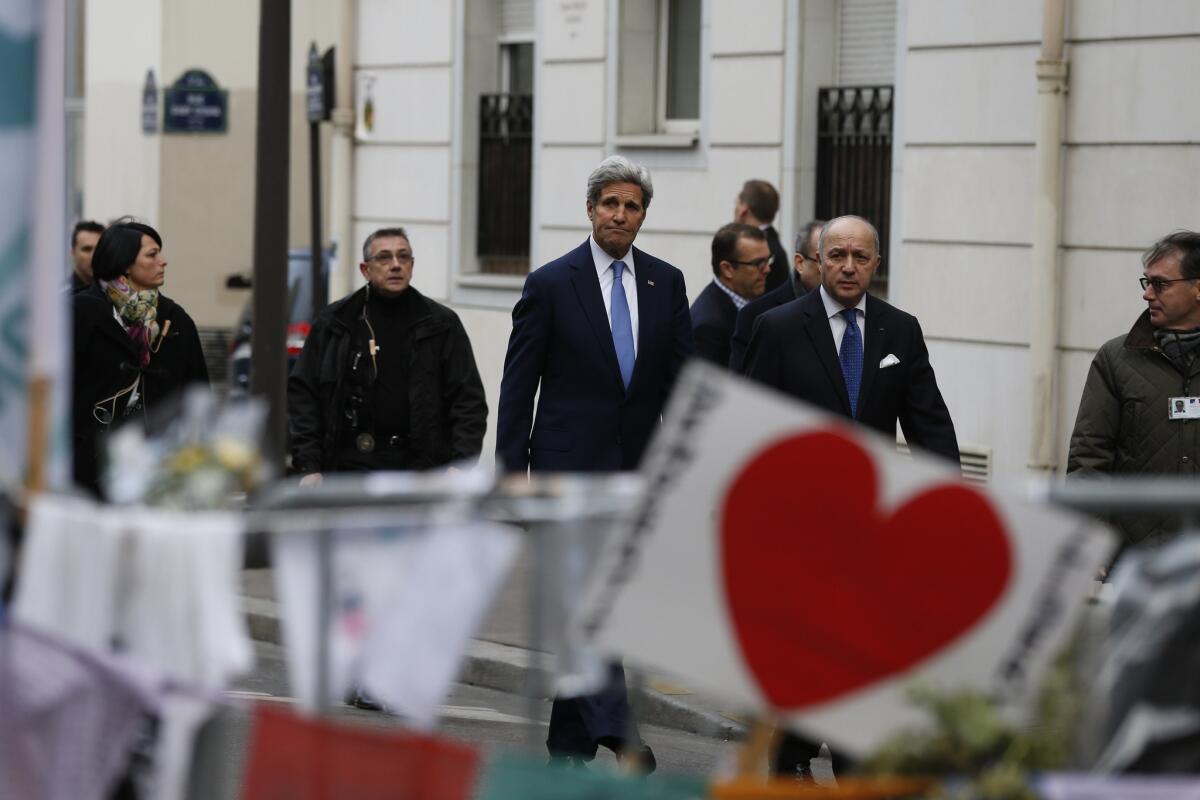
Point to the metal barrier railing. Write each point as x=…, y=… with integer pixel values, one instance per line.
x=559, y=512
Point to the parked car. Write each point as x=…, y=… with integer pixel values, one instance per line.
x=299, y=318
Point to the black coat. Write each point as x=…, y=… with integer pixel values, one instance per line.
x=713, y=317
x=792, y=349
x=447, y=407
x=749, y=314
x=105, y=362
x=782, y=265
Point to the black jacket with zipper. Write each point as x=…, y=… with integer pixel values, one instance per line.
x=447, y=407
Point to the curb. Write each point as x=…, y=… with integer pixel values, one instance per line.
x=505, y=668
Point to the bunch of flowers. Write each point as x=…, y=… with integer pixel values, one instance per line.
x=209, y=456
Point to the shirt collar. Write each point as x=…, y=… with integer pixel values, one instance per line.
x=833, y=307
x=739, y=302
x=603, y=260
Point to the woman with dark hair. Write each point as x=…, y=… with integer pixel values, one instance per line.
x=133, y=345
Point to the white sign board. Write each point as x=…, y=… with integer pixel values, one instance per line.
x=784, y=559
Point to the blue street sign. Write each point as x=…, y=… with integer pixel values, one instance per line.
x=194, y=104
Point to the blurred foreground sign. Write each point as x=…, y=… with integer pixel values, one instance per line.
x=787, y=560
x=18, y=90
x=302, y=759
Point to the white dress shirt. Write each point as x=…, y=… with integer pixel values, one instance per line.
x=837, y=323
x=604, y=272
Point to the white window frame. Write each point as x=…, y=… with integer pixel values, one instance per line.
x=666, y=124
x=505, y=44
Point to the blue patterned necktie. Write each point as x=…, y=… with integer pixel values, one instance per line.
x=622, y=326
x=851, y=357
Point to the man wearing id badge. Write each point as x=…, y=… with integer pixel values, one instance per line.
x=1140, y=410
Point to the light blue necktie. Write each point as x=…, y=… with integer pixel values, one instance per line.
x=622, y=326
x=851, y=357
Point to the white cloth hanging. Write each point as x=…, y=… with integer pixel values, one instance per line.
x=67, y=718
x=405, y=601
x=161, y=586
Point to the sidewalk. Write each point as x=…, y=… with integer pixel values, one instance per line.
x=500, y=658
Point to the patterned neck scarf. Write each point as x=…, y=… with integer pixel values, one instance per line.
x=139, y=310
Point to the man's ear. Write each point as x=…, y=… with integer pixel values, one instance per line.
x=726, y=270
x=362, y=267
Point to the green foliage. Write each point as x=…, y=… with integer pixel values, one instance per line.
x=970, y=739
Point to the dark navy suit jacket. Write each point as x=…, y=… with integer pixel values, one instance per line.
x=781, y=267
x=713, y=316
x=561, y=348
x=792, y=349
x=749, y=314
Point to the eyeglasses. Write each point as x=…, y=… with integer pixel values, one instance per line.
x=759, y=263
x=1159, y=284
x=385, y=258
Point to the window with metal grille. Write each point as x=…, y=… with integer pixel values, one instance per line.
x=505, y=182
x=854, y=158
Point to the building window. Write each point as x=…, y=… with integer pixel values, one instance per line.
x=679, y=63
x=658, y=64
x=506, y=165
x=854, y=159
x=516, y=67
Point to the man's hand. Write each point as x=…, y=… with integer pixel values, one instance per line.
x=311, y=479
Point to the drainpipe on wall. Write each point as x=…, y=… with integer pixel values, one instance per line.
x=341, y=167
x=1045, y=305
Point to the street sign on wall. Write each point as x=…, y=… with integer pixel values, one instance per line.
x=195, y=104
x=150, y=104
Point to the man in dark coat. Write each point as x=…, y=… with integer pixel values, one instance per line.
x=387, y=378
x=851, y=353
x=84, y=237
x=757, y=204
x=740, y=263
x=804, y=278
x=599, y=335
x=1138, y=412
x=597, y=405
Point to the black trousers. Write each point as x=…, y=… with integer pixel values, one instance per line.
x=578, y=725
x=794, y=753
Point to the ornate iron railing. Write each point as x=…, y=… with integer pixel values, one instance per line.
x=854, y=156
x=505, y=182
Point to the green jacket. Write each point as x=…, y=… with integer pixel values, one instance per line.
x=1123, y=427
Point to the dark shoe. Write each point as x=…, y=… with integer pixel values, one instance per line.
x=360, y=699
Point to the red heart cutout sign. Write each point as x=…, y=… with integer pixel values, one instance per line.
x=826, y=594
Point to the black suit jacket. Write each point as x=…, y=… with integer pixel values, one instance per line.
x=782, y=265
x=792, y=349
x=713, y=317
x=749, y=314
x=561, y=348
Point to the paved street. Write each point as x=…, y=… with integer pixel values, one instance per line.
x=491, y=720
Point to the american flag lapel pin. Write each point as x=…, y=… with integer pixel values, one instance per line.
x=649, y=282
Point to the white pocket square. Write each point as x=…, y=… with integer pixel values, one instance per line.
x=888, y=361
